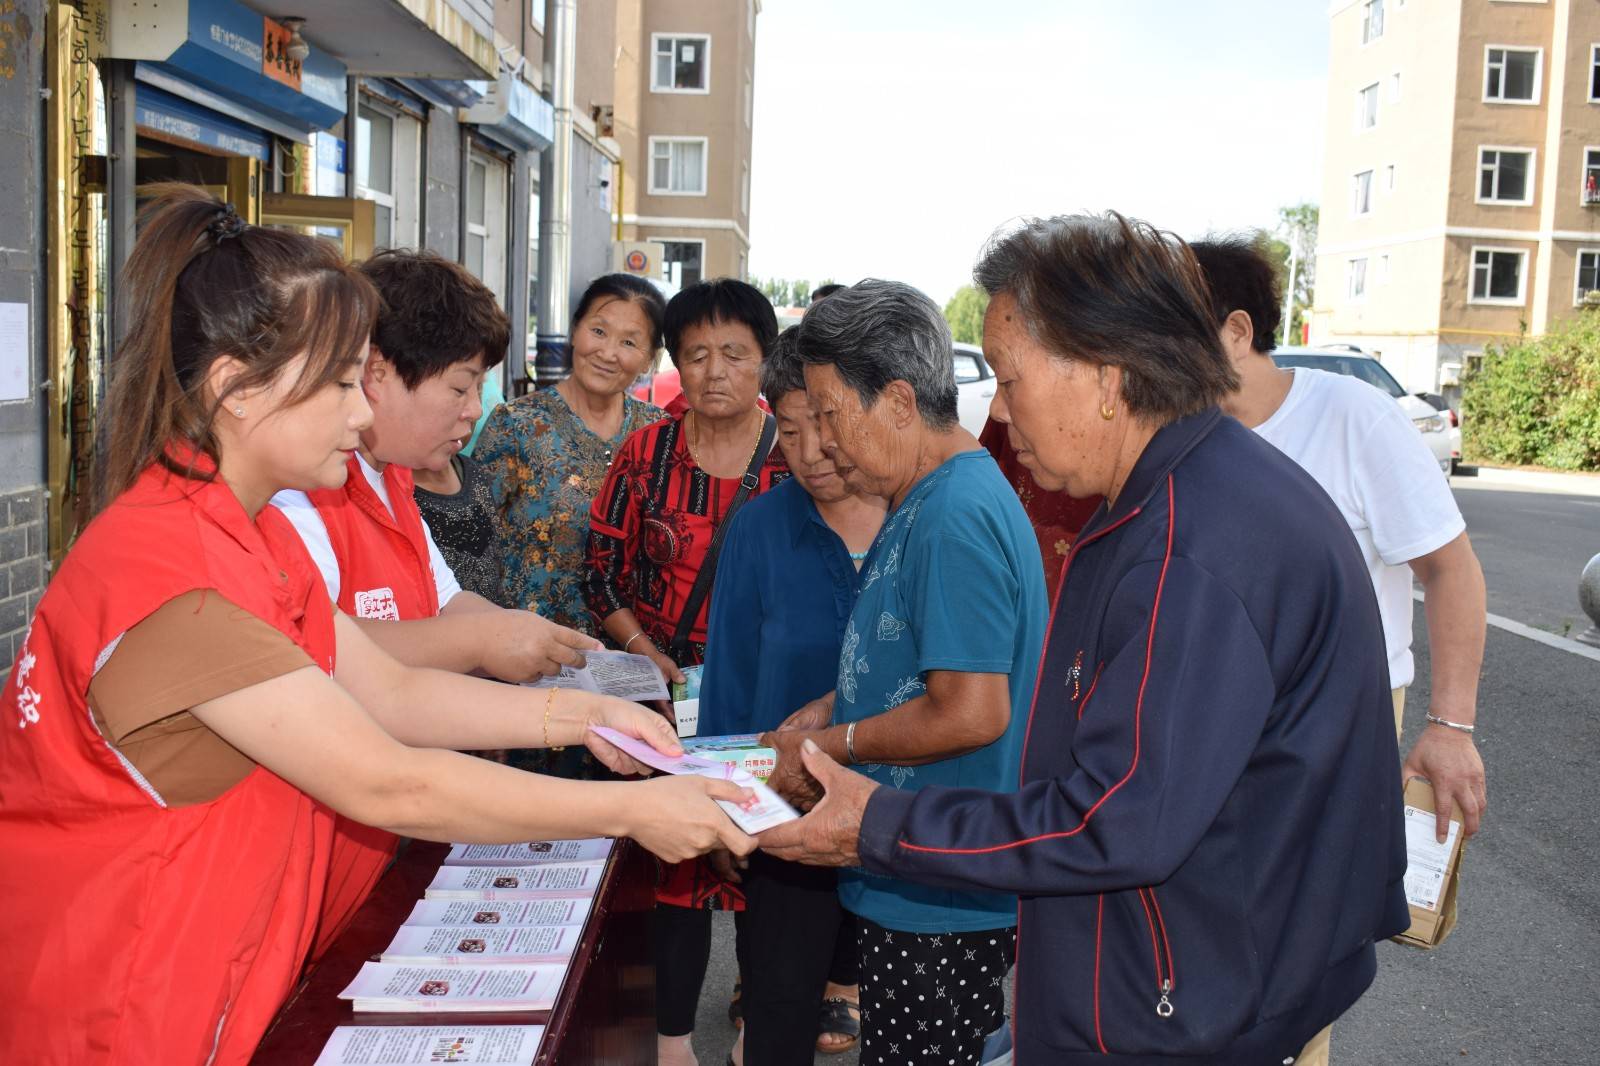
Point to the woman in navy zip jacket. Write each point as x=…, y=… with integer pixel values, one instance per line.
x=1206, y=835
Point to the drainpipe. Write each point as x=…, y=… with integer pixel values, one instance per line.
x=552, y=361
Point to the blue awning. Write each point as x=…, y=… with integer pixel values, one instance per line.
x=174, y=117
x=513, y=114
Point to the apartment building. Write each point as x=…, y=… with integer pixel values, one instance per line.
x=1461, y=195
x=684, y=99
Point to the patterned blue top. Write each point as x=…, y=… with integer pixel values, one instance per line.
x=953, y=582
x=785, y=585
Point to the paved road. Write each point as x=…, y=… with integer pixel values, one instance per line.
x=1533, y=546
x=1517, y=983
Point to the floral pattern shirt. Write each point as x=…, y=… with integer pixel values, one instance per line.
x=546, y=467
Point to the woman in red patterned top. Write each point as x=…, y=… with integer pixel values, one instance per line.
x=668, y=492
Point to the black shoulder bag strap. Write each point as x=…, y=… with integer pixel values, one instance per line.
x=708, y=569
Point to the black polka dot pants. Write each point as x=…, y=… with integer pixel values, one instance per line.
x=931, y=997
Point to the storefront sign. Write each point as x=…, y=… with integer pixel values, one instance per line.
x=276, y=63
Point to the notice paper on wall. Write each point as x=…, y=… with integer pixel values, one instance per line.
x=769, y=810
x=611, y=673
x=383, y=987
x=14, y=349
x=483, y=1045
x=1427, y=860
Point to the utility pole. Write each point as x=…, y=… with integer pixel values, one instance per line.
x=1288, y=293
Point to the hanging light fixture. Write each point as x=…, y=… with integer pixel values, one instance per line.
x=298, y=49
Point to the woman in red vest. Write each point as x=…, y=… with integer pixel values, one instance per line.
x=187, y=712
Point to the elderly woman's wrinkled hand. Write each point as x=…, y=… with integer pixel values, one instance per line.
x=818, y=714
x=789, y=777
x=831, y=834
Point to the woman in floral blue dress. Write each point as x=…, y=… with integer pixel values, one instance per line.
x=547, y=453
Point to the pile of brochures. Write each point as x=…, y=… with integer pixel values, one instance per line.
x=495, y=932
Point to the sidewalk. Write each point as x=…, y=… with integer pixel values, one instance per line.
x=1500, y=477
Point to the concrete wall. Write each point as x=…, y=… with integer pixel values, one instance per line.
x=592, y=220
x=22, y=539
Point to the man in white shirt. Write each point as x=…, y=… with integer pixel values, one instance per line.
x=1362, y=449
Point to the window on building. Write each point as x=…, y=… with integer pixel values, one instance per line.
x=1388, y=177
x=1497, y=275
x=484, y=245
x=1505, y=176
x=1588, y=274
x=1594, y=73
x=1367, y=107
x=1355, y=279
x=1511, y=75
x=388, y=173
x=1383, y=269
x=749, y=100
x=684, y=261
x=1394, y=88
x=1371, y=21
x=1361, y=198
x=1590, y=189
x=678, y=166
x=744, y=189
x=682, y=63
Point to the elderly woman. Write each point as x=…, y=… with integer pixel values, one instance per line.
x=654, y=535
x=938, y=659
x=547, y=453
x=786, y=583
x=1207, y=838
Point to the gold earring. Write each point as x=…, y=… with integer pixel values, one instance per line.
x=1107, y=412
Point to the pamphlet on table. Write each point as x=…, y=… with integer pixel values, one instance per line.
x=515, y=882
x=532, y=853
x=385, y=987
x=541, y=912
x=481, y=945
x=383, y=1045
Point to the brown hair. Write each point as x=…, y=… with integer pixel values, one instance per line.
x=201, y=284
x=435, y=314
x=1114, y=291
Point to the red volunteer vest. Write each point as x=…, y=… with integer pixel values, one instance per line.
x=132, y=932
x=384, y=573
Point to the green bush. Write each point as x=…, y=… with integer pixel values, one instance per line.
x=1536, y=401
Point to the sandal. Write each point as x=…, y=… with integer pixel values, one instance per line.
x=735, y=1010
x=839, y=1017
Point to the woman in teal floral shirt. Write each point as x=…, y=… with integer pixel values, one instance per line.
x=547, y=452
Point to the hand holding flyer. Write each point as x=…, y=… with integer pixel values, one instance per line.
x=770, y=809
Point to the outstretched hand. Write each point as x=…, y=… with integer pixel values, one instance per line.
x=830, y=835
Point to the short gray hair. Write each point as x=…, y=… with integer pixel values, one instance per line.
x=878, y=331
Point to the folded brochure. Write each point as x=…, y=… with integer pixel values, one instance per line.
x=481, y=945
x=612, y=673
x=482, y=1045
x=770, y=808
x=384, y=987
x=553, y=911
x=531, y=853
x=515, y=882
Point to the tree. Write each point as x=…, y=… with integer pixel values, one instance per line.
x=964, y=312
x=1297, y=231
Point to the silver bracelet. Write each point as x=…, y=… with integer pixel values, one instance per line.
x=1436, y=720
x=629, y=642
x=850, y=743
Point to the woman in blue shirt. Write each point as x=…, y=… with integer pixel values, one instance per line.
x=786, y=582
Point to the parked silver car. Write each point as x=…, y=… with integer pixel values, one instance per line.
x=1434, y=425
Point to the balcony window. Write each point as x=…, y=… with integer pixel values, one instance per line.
x=682, y=63
x=1371, y=21
x=677, y=166
x=1361, y=198
x=1356, y=279
x=1591, y=177
x=1367, y=107
x=1588, y=274
x=1511, y=75
x=1505, y=176
x=1498, y=275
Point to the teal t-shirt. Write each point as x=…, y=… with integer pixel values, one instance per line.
x=953, y=582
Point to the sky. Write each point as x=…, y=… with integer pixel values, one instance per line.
x=893, y=137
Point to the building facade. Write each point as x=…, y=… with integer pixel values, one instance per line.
x=684, y=98
x=1461, y=197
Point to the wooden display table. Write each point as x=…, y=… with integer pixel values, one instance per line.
x=604, y=1014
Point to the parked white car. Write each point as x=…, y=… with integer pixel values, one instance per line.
x=974, y=386
x=1433, y=424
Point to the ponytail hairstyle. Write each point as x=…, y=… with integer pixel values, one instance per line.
x=201, y=284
